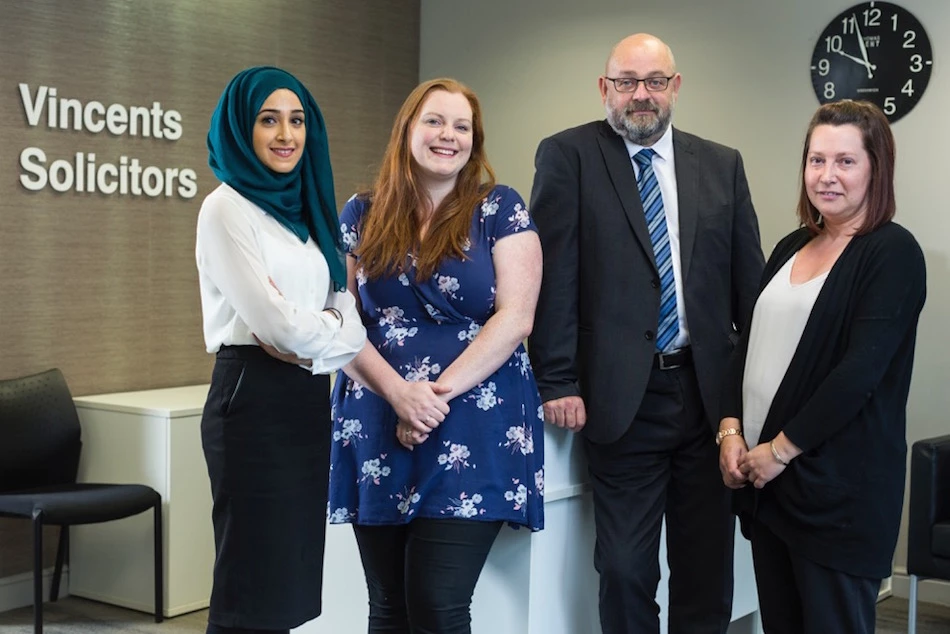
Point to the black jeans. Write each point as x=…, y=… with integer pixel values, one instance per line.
x=421, y=576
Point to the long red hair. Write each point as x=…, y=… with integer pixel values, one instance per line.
x=391, y=227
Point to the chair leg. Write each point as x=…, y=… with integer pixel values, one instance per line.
x=61, y=551
x=38, y=572
x=159, y=566
x=912, y=606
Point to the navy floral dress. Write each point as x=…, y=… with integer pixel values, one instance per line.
x=486, y=460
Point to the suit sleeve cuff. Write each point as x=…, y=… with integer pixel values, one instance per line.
x=551, y=392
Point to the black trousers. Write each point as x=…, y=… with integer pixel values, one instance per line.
x=799, y=596
x=665, y=464
x=421, y=576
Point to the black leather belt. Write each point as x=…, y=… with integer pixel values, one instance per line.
x=673, y=359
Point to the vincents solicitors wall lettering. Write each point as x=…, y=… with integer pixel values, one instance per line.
x=84, y=173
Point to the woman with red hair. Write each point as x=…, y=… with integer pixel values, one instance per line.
x=437, y=437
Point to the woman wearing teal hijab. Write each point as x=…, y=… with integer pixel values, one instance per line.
x=278, y=318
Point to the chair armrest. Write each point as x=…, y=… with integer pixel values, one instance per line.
x=929, y=500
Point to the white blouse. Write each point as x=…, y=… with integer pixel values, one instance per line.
x=778, y=322
x=244, y=256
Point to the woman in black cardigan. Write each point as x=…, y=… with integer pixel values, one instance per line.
x=818, y=386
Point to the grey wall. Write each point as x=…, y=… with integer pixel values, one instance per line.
x=105, y=286
x=746, y=83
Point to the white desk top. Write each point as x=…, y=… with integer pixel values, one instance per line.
x=565, y=470
x=172, y=402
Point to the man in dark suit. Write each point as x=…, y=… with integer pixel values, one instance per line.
x=651, y=263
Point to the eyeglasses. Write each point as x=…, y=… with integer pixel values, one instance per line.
x=630, y=84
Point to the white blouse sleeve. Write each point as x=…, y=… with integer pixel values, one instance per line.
x=350, y=338
x=229, y=255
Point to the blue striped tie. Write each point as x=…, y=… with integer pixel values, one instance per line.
x=668, y=327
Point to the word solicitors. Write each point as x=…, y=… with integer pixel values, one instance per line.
x=83, y=172
x=85, y=175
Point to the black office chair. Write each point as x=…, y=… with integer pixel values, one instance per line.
x=39, y=459
x=928, y=534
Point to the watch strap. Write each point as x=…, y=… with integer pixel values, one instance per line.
x=729, y=431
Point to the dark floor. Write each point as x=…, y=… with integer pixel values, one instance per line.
x=79, y=616
x=73, y=615
x=892, y=617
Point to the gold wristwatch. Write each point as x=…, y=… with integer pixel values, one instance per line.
x=722, y=433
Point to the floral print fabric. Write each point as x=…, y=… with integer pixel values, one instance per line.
x=486, y=460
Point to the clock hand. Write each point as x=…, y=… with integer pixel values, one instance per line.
x=857, y=59
x=864, y=51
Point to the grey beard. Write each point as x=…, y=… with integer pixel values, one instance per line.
x=638, y=134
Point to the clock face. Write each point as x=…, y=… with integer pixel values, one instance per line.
x=875, y=51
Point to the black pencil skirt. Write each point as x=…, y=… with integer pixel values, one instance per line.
x=265, y=431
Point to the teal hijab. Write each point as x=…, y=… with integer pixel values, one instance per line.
x=302, y=200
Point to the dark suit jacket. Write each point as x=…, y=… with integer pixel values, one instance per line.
x=597, y=313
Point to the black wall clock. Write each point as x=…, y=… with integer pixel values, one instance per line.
x=874, y=51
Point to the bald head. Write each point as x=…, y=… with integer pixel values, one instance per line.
x=639, y=88
x=637, y=46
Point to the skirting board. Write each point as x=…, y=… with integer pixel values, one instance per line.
x=928, y=590
x=17, y=591
x=886, y=589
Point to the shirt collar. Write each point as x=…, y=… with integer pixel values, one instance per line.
x=663, y=147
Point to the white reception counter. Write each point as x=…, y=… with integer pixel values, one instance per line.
x=533, y=583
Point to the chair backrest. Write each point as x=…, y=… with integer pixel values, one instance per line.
x=929, y=504
x=39, y=432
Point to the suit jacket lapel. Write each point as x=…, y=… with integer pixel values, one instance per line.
x=687, y=188
x=624, y=180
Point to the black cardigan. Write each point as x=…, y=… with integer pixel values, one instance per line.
x=843, y=402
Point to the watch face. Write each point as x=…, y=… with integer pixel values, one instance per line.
x=875, y=51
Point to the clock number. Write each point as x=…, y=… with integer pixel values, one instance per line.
x=889, y=106
x=824, y=66
x=872, y=17
x=894, y=21
x=830, y=90
x=908, y=88
x=916, y=63
x=834, y=43
x=909, y=37
x=847, y=25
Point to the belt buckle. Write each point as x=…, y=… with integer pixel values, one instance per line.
x=671, y=365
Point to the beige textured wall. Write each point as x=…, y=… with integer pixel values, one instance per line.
x=104, y=286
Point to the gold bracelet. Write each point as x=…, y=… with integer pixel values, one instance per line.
x=775, y=453
x=336, y=313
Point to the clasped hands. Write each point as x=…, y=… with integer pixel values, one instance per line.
x=757, y=466
x=420, y=407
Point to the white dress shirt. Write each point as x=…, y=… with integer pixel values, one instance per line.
x=257, y=278
x=664, y=166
